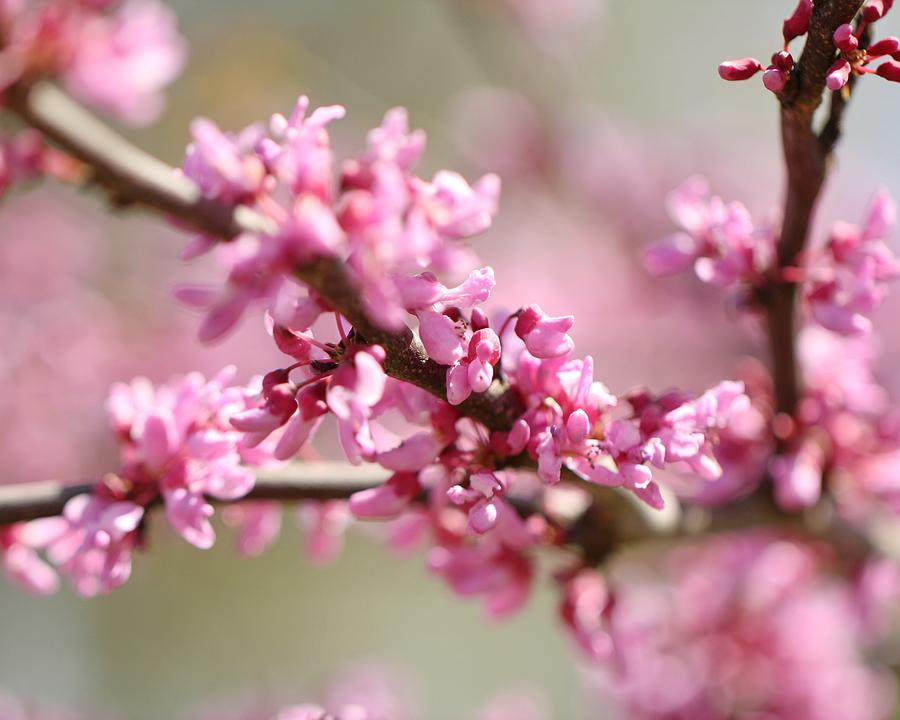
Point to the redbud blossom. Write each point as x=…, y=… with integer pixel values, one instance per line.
x=742, y=69
x=874, y=10
x=844, y=39
x=889, y=70
x=798, y=23
x=545, y=336
x=838, y=74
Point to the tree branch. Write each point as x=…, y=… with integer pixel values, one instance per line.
x=806, y=161
x=297, y=481
x=133, y=177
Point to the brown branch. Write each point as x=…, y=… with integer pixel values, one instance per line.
x=297, y=481
x=133, y=177
x=806, y=161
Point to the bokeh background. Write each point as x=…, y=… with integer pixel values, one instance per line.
x=590, y=111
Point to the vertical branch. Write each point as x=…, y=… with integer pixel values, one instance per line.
x=806, y=159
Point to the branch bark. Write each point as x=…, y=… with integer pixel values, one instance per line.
x=297, y=481
x=806, y=156
x=133, y=177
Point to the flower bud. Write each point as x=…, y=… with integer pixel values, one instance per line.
x=876, y=9
x=889, y=70
x=844, y=39
x=798, y=23
x=741, y=69
x=774, y=79
x=838, y=75
x=885, y=46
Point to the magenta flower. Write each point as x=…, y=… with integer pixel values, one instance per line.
x=847, y=278
x=545, y=336
x=179, y=441
x=353, y=391
x=585, y=603
x=91, y=542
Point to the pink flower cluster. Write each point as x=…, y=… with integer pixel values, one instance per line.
x=777, y=74
x=843, y=283
x=744, y=626
x=844, y=430
x=846, y=280
x=178, y=448
x=717, y=239
x=116, y=55
x=852, y=59
x=373, y=213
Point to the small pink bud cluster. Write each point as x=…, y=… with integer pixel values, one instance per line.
x=116, y=56
x=777, y=74
x=855, y=60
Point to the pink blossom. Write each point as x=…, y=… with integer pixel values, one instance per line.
x=502, y=577
x=123, y=61
x=585, y=602
x=475, y=371
x=798, y=23
x=324, y=525
x=222, y=164
x=22, y=563
x=742, y=69
x=178, y=440
x=387, y=501
x=354, y=390
x=718, y=239
x=545, y=336
x=258, y=524
x=798, y=476
x=847, y=278
x=706, y=633
x=91, y=542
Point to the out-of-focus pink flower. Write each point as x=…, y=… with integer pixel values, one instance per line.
x=324, y=525
x=798, y=475
x=718, y=240
x=387, y=501
x=748, y=625
x=123, y=61
x=502, y=577
x=22, y=563
x=847, y=279
x=584, y=606
x=258, y=525
x=91, y=542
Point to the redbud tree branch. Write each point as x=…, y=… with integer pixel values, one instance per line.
x=806, y=155
x=133, y=177
x=294, y=482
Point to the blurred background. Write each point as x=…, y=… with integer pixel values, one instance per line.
x=591, y=111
